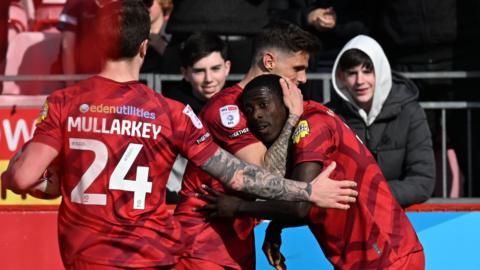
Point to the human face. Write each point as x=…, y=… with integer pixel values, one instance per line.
x=208, y=75
x=292, y=66
x=360, y=83
x=265, y=114
x=155, y=11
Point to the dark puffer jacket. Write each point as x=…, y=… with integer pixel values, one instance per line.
x=400, y=140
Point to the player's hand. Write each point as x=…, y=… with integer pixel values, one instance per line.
x=292, y=97
x=219, y=204
x=48, y=186
x=271, y=247
x=329, y=193
x=5, y=178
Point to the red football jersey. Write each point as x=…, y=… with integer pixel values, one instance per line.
x=229, y=242
x=375, y=231
x=117, y=143
x=225, y=120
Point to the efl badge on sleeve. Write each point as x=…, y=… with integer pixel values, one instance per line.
x=230, y=115
x=302, y=130
x=189, y=112
x=43, y=112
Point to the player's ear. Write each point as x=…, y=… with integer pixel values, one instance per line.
x=143, y=48
x=228, y=64
x=268, y=60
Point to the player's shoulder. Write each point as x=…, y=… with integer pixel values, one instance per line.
x=66, y=93
x=313, y=109
x=227, y=97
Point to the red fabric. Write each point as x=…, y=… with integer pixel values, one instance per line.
x=375, y=232
x=413, y=261
x=138, y=140
x=229, y=242
x=192, y=263
x=82, y=265
x=231, y=138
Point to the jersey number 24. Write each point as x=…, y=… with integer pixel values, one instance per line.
x=140, y=186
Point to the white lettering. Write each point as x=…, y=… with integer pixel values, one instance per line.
x=146, y=130
x=136, y=128
x=126, y=127
x=115, y=127
x=156, y=131
x=118, y=127
x=104, y=126
x=73, y=123
x=95, y=126
x=13, y=137
x=86, y=128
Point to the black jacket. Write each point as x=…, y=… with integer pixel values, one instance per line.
x=400, y=140
x=228, y=17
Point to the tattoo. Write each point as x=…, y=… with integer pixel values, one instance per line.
x=276, y=156
x=242, y=176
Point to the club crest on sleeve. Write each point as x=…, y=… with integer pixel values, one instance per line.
x=302, y=130
x=230, y=115
x=43, y=113
x=193, y=117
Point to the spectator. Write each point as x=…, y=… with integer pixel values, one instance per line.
x=236, y=21
x=159, y=12
x=79, y=49
x=205, y=69
x=336, y=22
x=117, y=140
x=419, y=35
x=454, y=174
x=4, y=6
x=333, y=22
x=381, y=107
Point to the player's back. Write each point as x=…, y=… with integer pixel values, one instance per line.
x=119, y=141
x=375, y=231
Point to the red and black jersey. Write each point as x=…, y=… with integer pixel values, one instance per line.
x=229, y=242
x=375, y=231
x=117, y=143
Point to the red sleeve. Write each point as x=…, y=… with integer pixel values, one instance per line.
x=228, y=126
x=49, y=129
x=191, y=137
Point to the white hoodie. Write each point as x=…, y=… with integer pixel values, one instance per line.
x=383, y=76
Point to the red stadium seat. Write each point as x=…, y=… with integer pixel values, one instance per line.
x=47, y=14
x=18, y=20
x=32, y=53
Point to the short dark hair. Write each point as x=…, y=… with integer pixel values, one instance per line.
x=354, y=57
x=199, y=45
x=286, y=37
x=269, y=82
x=122, y=27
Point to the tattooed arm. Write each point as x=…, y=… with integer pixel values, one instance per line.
x=276, y=156
x=241, y=176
